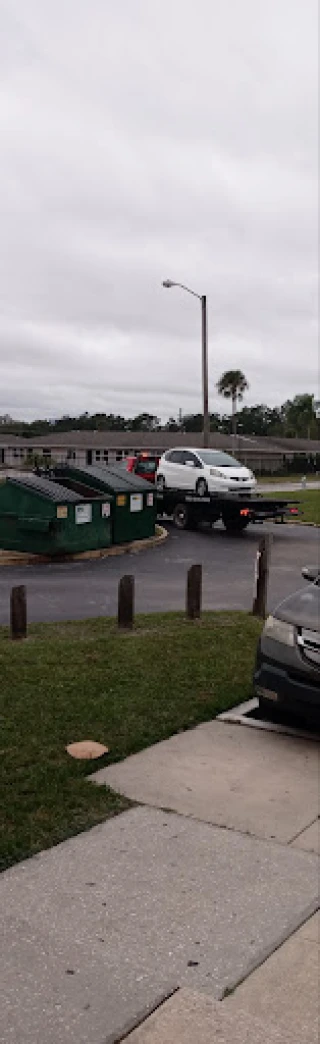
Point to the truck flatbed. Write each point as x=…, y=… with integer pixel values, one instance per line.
x=190, y=511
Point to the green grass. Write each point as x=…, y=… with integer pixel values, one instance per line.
x=127, y=690
x=308, y=502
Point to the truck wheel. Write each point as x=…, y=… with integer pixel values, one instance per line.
x=160, y=483
x=235, y=525
x=180, y=516
x=201, y=488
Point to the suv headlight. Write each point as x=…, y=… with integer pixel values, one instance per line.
x=279, y=631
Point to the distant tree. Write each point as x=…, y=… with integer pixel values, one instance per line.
x=232, y=385
x=299, y=419
x=145, y=422
x=193, y=422
x=173, y=425
x=294, y=419
x=215, y=422
x=273, y=421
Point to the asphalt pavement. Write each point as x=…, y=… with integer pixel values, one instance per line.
x=79, y=590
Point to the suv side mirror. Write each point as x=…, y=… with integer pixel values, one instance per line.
x=311, y=573
x=190, y=464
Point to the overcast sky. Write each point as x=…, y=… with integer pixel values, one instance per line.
x=147, y=139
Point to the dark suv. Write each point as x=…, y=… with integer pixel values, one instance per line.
x=287, y=670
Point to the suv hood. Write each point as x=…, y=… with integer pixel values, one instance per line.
x=302, y=608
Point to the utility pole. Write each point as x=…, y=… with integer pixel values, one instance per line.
x=205, y=390
x=168, y=283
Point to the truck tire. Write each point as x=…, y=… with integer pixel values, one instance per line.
x=235, y=524
x=181, y=516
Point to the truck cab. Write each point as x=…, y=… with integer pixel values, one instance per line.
x=144, y=464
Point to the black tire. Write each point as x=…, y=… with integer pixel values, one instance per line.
x=235, y=524
x=161, y=485
x=181, y=516
x=201, y=487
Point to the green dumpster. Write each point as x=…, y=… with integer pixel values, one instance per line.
x=44, y=517
x=134, y=502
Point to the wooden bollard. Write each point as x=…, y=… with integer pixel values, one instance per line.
x=18, y=613
x=194, y=592
x=126, y=602
x=262, y=577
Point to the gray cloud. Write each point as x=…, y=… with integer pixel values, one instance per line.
x=145, y=140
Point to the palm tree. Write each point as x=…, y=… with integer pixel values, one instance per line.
x=232, y=385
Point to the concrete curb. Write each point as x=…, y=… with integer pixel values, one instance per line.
x=16, y=558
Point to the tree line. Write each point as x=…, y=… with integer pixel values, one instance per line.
x=294, y=419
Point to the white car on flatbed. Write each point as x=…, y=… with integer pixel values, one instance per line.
x=204, y=471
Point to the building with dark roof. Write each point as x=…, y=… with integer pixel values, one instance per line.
x=106, y=447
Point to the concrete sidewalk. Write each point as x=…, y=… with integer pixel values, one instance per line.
x=285, y=991
x=278, y=1004
x=96, y=929
x=261, y=783
x=193, y=1018
x=100, y=930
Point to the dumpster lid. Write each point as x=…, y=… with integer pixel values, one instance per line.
x=46, y=488
x=132, y=480
x=111, y=477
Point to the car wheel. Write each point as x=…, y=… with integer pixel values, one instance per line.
x=161, y=485
x=201, y=488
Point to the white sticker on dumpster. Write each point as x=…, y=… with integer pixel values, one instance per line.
x=106, y=510
x=83, y=513
x=136, y=502
x=150, y=499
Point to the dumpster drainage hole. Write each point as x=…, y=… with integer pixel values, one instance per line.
x=276, y=720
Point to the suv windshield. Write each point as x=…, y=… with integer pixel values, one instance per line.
x=217, y=459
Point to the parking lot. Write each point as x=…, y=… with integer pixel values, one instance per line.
x=78, y=590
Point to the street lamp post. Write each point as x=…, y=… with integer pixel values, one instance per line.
x=204, y=340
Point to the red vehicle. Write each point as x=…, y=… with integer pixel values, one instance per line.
x=144, y=464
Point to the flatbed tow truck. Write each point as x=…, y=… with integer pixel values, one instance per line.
x=190, y=511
